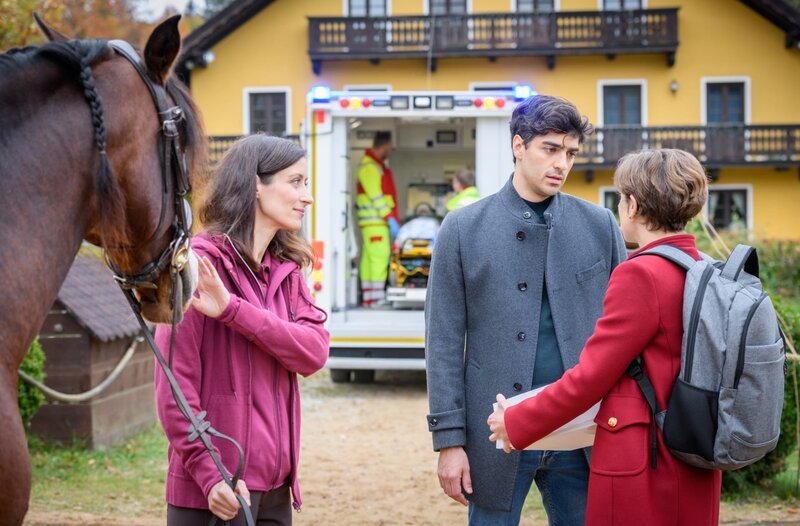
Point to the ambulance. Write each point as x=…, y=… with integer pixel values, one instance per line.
x=435, y=134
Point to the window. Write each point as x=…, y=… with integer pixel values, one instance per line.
x=725, y=102
x=535, y=6
x=621, y=116
x=622, y=105
x=366, y=8
x=609, y=198
x=616, y=5
x=728, y=208
x=447, y=7
x=266, y=110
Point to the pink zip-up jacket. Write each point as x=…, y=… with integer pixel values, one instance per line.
x=273, y=330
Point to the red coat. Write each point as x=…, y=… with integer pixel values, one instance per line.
x=642, y=314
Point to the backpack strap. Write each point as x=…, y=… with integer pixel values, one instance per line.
x=742, y=257
x=671, y=253
x=636, y=371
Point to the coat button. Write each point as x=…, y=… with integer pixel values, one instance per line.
x=521, y=336
x=433, y=422
x=518, y=386
x=522, y=286
x=612, y=422
x=521, y=235
x=526, y=215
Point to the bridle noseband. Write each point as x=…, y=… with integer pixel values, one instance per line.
x=174, y=179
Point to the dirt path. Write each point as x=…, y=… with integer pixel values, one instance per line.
x=366, y=459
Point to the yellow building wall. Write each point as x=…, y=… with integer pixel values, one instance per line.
x=718, y=38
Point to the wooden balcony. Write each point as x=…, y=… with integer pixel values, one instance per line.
x=494, y=35
x=716, y=145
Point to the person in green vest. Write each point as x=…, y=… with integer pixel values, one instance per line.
x=376, y=208
x=464, y=186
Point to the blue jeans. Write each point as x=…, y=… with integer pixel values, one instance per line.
x=563, y=480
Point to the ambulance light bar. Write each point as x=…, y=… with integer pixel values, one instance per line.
x=422, y=102
x=321, y=94
x=430, y=101
x=523, y=91
x=399, y=102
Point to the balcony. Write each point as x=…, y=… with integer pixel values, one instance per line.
x=607, y=33
x=716, y=145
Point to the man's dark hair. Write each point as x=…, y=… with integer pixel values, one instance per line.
x=381, y=138
x=543, y=114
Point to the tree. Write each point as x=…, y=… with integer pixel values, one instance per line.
x=17, y=26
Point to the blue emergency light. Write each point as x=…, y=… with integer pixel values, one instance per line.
x=523, y=91
x=321, y=94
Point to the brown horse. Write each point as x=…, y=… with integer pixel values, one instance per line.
x=82, y=157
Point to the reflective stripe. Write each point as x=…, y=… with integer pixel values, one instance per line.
x=373, y=295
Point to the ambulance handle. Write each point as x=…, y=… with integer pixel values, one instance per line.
x=346, y=212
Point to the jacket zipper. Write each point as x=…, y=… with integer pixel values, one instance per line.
x=277, y=414
x=695, y=320
x=295, y=503
x=743, y=341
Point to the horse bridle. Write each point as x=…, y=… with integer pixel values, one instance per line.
x=175, y=256
x=174, y=179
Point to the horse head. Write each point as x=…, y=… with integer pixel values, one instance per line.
x=151, y=143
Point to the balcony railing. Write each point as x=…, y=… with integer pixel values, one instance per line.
x=493, y=35
x=716, y=145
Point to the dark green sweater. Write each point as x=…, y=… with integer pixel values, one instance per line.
x=548, y=366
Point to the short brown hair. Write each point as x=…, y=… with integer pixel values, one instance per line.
x=669, y=185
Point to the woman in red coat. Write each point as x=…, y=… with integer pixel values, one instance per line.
x=661, y=190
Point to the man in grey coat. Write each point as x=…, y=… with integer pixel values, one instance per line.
x=517, y=282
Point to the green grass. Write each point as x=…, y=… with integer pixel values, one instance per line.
x=126, y=480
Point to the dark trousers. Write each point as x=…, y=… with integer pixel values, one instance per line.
x=269, y=508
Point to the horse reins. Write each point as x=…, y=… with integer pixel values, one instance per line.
x=176, y=256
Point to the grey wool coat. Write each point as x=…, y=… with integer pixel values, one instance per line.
x=485, y=291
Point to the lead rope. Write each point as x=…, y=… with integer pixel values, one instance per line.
x=198, y=426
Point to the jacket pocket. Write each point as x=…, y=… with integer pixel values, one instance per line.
x=590, y=272
x=622, y=438
x=228, y=415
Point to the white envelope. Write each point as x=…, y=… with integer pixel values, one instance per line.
x=575, y=434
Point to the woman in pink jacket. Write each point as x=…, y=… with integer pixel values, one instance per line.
x=251, y=329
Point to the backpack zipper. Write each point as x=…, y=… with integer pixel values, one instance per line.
x=743, y=341
x=694, y=320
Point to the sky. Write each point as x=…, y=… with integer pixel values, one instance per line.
x=154, y=9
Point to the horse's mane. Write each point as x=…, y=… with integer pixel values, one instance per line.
x=77, y=56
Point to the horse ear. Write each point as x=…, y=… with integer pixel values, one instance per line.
x=162, y=48
x=51, y=34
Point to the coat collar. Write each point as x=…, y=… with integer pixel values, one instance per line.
x=520, y=209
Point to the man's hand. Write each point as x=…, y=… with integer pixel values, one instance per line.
x=211, y=297
x=497, y=424
x=453, y=473
x=223, y=503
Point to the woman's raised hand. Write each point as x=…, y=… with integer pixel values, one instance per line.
x=211, y=297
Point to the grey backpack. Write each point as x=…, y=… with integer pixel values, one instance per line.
x=725, y=408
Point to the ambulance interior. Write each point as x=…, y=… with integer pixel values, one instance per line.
x=428, y=152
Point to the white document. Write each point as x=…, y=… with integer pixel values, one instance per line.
x=575, y=434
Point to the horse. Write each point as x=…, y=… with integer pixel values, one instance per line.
x=87, y=147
